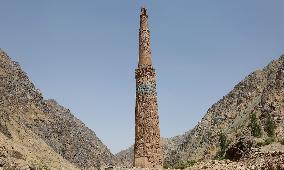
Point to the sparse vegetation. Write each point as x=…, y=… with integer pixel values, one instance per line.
x=255, y=128
x=270, y=126
x=282, y=141
x=223, y=143
x=268, y=141
x=39, y=165
x=16, y=154
x=167, y=165
x=184, y=164
x=8, y=167
x=259, y=144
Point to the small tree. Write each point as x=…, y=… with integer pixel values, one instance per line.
x=255, y=128
x=223, y=143
x=270, y=126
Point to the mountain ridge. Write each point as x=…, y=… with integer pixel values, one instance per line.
x=59, y=131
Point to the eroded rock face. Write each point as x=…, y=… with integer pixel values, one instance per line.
x=46, y=125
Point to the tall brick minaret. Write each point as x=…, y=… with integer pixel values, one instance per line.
x=147, y=147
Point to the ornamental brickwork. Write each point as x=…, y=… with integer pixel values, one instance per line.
x=147, y=147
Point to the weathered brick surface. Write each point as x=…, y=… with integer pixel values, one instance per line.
x=147, y=148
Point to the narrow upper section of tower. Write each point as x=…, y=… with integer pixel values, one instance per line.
x=143, y=11
x=144, y=19
x=144, y=40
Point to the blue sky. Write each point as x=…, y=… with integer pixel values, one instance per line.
x=84, y=53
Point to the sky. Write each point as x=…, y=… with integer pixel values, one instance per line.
x=83, y=54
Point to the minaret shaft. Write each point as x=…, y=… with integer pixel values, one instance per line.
x=147, y=148
x=144, y=40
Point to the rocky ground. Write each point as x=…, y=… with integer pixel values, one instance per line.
x=271, y=160
x=268, y=157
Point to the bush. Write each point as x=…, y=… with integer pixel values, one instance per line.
x=268, y=141
x=16, y=154
x=255, y=128
x=282, y=141
x=270, y=126
x=223, y=143
x=191, y=162
x=9, y=167
x=183, y=165
x=259, y=144
x=167, y=165
x=38, y=165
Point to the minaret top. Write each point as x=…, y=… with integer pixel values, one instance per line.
x=144, y=40
x=143, y=11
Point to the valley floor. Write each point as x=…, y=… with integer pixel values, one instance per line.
x=269, y=157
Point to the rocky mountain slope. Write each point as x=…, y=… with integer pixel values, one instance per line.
x=261, y=94
x=40, y=133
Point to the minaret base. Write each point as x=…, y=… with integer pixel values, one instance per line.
x=142, y=162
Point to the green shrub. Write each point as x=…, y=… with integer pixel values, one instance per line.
x=191, y=162
x=282, y=141
x=268, y=141
x=167, y=165
x=38, y=165
x=255, y=128
x=270, y=126
x=183, y=165
x=9, y=167
x=223, y=143
x=16, y=154
x=259, y=144
x=180, y=165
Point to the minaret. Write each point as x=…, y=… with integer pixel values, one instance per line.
x=147, y=147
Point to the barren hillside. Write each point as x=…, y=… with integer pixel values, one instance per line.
x=37, y=131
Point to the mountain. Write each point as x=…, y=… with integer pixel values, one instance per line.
x=261, y=94
x=256, y=104
x=40, y=133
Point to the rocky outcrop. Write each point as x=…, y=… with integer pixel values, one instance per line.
x=42, y=130
x=239, y=149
